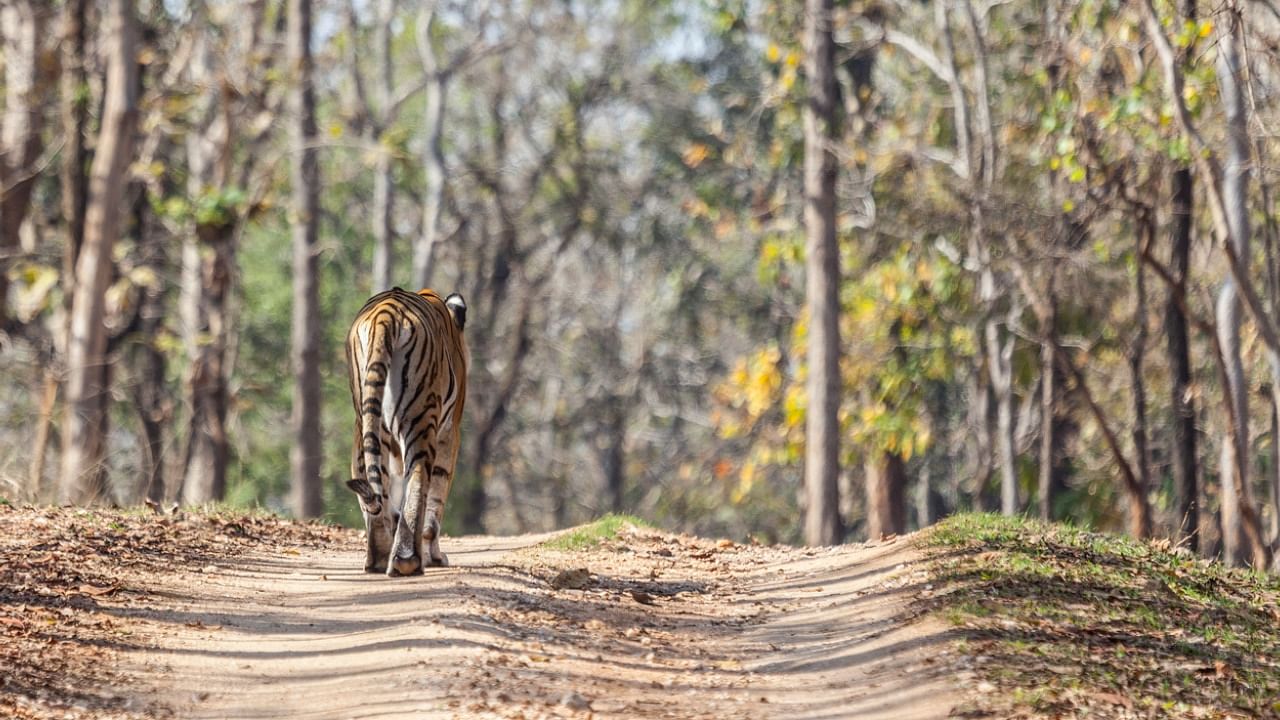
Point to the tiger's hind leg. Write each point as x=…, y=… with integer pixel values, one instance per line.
x=438, y=492
x=407, y=552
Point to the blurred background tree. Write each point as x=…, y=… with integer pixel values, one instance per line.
x=1032, y=206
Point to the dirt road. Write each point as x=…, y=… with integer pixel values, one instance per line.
x=656, y=626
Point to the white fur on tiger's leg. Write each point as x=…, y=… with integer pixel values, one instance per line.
x=378, y=525
x=436, y=494
x=378, y=531
x=406, y=555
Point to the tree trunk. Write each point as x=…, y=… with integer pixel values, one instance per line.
x=150, y=398
x=1241, y=544
x=1183, y=450
x=433, y=167
x=205, y=475
x=886, y=489
x=40, y=451
x=822, y=280
x=83, y=445
x=383, y=183
x=1273, y=487
x=613, y=455
x=1137, y=356
x=981, y=413
x=74, y=178
x=305, y=456
x=1049, y=480
x=383, y=233
x=1000, y=366
x=22, y=25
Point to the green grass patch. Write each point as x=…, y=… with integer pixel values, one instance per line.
x=1072, y=623
x=592, y=534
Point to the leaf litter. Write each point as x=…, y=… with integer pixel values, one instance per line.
x=70, y=580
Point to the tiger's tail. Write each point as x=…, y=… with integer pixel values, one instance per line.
x=372, y=488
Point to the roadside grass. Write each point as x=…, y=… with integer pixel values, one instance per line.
x=592, y=534
x=1060, y=622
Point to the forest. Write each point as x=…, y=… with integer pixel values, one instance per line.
x=793, y=272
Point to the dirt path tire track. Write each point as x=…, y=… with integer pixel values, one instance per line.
x=666, y=627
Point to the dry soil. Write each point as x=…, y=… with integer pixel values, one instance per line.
x=648, y=625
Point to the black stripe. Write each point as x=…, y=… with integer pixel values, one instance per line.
x=428, y=453
x=404, y=374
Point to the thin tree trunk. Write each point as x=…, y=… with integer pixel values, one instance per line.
x=44, y=430
x=613, y=456
x=1235, y=188
x=437, y=90
x=22, y=25
x=149, y=401
x=383, y=233
x=1000, y=366
x=886, y=489
x=205, y=476
x=1184, y=457
x=150, y=398
x=822, y=280
x=1273, y=487
x=383, y=183
x=1272, y=393
x=1048, y=403
x=305, y=456
x=981, y=411
x=74, y=178
x=1139, y=509
x=433, y=166
x=1137, y=357
x=83, y=446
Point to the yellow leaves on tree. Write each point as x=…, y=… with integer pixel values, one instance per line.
x=754, y=384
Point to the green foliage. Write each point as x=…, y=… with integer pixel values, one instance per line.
x=220, y=207
x=907, y=324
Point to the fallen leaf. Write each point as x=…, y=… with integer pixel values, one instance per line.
x=642, y=597
x=1114, y=699
x=96, y=591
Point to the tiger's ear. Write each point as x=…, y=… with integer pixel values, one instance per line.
x=457, y=308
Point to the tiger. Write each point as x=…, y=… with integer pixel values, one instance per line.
x=408, y=364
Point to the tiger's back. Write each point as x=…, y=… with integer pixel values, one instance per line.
x=408, y=365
